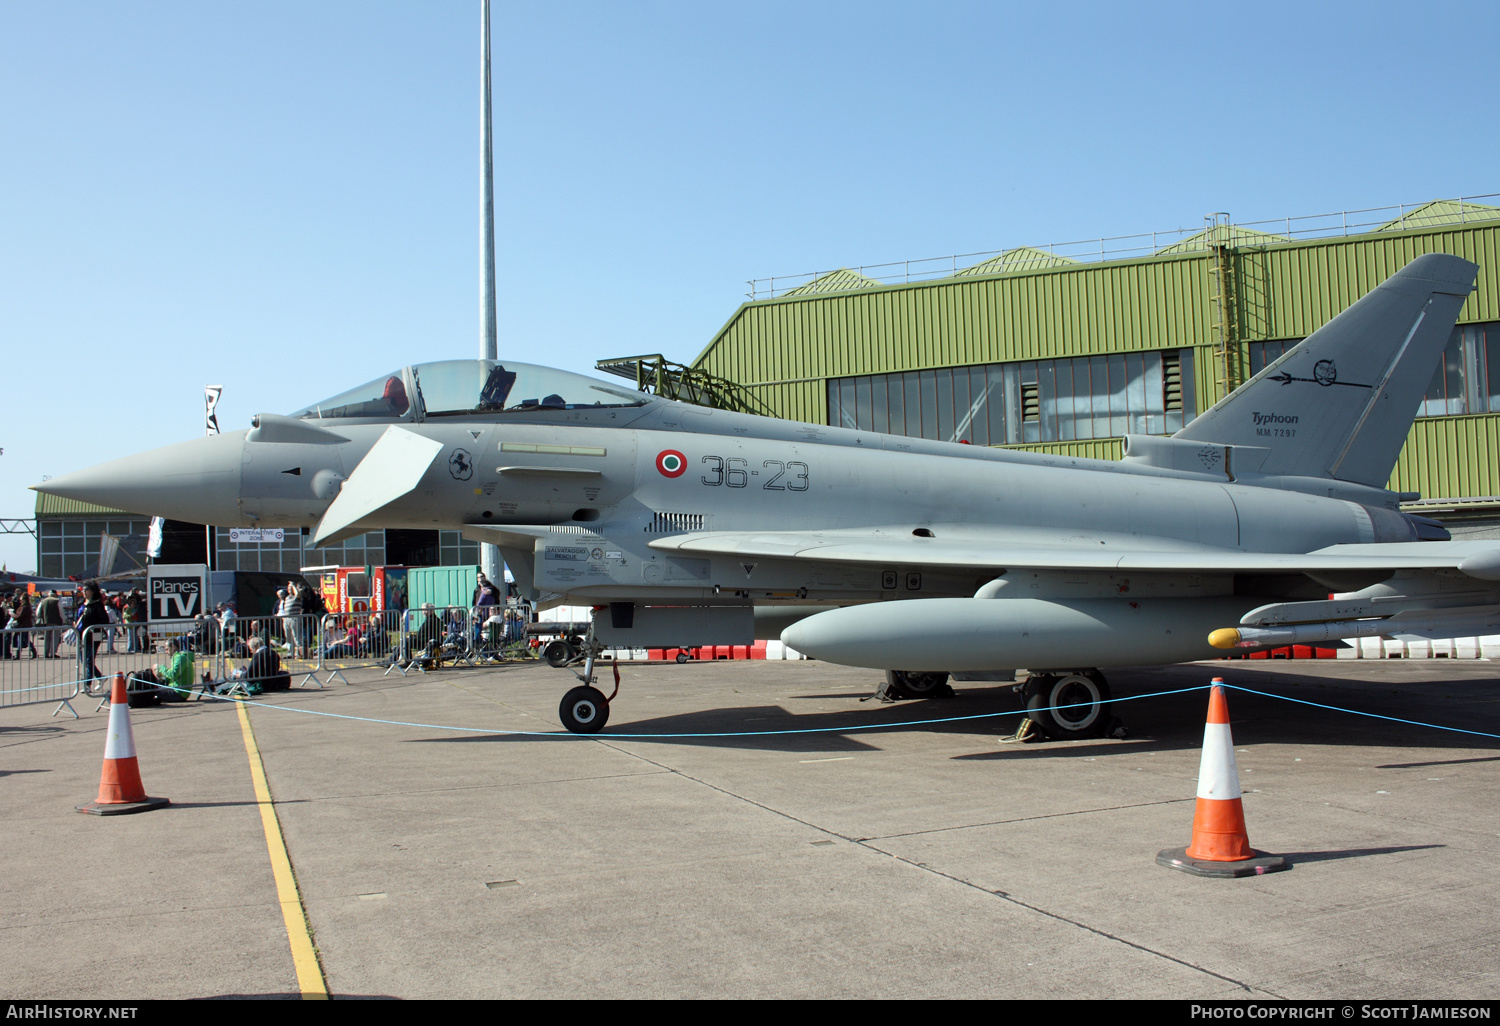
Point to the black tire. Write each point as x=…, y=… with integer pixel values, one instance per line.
x=916, y=684
x=682, y=656
x=1088, y=694
x=584, y=710
x=558, y=653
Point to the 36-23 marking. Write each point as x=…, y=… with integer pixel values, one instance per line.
x=734, y=472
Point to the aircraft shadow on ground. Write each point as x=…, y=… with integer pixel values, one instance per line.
x=843, y=730
x=1165, y=723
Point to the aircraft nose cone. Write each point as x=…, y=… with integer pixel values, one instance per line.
x=197, y=481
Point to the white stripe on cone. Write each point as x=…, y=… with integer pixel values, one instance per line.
x=121, y=742
x=1218, y=775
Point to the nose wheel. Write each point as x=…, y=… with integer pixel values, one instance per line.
x=584, y=710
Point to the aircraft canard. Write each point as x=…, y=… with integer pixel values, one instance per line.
x=685, y=525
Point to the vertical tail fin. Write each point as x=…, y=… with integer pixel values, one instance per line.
x=1340, y=404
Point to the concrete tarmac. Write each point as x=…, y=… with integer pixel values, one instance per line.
x=932, y=861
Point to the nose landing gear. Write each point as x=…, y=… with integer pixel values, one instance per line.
x=585, y=709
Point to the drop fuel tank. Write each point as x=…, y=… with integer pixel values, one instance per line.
x=982, y=633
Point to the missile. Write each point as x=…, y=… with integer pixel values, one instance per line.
x=1431, y=623
x=1299, y=634
x=983, y=633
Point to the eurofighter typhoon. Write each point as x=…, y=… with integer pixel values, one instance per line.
x=1264, y=522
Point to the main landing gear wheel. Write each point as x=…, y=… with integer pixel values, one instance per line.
x=584, y=710
x=558, y=653
x=915, y=684
x=1087, y=696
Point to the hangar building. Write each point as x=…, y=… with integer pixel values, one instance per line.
x=1066, y=348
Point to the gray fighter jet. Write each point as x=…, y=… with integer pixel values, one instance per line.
x=1264, y=522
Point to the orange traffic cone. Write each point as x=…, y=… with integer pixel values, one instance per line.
x=120, y=787
x=1220, y=845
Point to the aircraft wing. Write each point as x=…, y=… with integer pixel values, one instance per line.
x=1006, y=550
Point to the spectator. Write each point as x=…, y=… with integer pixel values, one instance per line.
x=8, y=621
x=127, y=616
x=422, y=644
x=291, y=619
x=374, y=639
x=172, y=682
x=264, y=673
x=90, y=614
x=25, y=620
x=485, y=594
x=142, y=615
x=346, y=647
x=112, y=610
x=49, y=617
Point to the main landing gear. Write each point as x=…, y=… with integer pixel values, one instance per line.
x=585, y=709
x=1070, y=706
x=1062, y=706
x=915, y=684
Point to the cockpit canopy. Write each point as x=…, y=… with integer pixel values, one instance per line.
x=450, y=388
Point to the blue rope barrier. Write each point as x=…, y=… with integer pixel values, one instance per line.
x=567, y=735
x=1357, y=712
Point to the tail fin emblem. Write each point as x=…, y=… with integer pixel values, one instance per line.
x=1325, y=373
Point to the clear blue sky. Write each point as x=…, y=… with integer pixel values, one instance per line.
x=282, y=198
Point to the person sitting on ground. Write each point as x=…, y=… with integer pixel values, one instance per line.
x=422, y=644
x=172, y=682
x=373, y=641
x=346, y=647
x=263, y=673
x=265, y=667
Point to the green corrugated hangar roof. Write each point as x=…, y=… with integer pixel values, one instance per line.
x=1021, y=258
x=54, y=505
x=841, y=280
x=1441, y=212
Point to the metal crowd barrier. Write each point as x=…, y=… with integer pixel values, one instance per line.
x=400, y=640
x=404, y=642
x=105, y=650
x=296, y=640
x=350, y=641
x=38, y=666
x=476, y=636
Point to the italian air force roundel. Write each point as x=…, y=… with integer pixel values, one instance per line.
x=671, y=463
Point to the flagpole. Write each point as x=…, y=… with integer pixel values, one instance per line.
x=489, y=555
x=211, y=395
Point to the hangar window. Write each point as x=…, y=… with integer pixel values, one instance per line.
x=1028, y=401
x=1467, y=380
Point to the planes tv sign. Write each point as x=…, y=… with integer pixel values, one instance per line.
x=176, y=591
